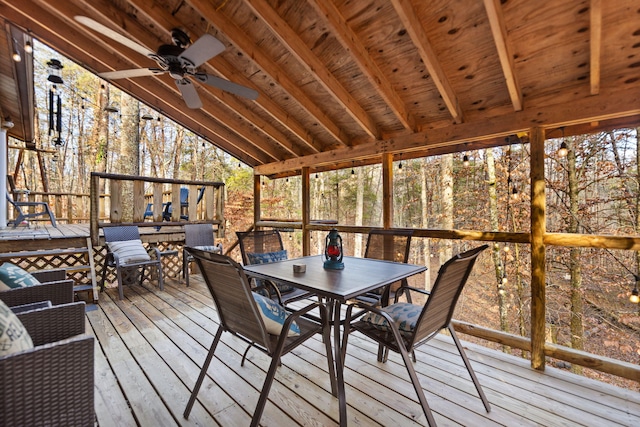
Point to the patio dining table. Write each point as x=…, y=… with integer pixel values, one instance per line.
x=360, y=275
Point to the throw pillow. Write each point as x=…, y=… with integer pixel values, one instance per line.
x=215, y=248
x=12, y=276
x=265, y=258
x=274, y=316
x=129, y=251
x=404, y=315
x=13, y=336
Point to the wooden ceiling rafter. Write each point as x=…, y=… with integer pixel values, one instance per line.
x=165, y=20
x=595, y=44
x=152, y=94
x=296, y=47
x=243, y=43
x=499, y=30
x=593, y=109
x=409, y=19
x=367, y=65
x=223, y=118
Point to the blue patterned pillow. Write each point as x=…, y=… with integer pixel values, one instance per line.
x=265, y=258
x=404, y=315
x=12, y=276
x=274, y=316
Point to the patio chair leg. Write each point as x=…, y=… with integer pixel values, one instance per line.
x=244, y=355
x=485, y=402
x=203, y=372
x=160, y=278
x=264, y=394
x=326, y=338
x=416, y=385
x=120, y=290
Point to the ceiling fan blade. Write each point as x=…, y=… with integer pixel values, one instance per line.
x=203, y=49
x=227, y=86
x=99, y=28
x=126, y=74
x=189, y=93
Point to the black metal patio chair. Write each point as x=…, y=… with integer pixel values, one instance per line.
x=240, y=313
x=125, y=252
x=402, y=327
x=199, y=236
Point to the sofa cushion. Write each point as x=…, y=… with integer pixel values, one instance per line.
x=12, y=276
x=274, y=316
x=13, y=335
x=404, y=315
x=129, y=251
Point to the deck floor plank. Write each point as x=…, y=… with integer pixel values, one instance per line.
x=152, y=345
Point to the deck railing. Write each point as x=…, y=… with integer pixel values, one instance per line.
x=124, y=199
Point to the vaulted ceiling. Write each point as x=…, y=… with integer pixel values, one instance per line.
x=340, y=81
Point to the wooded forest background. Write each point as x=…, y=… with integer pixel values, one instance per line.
x=593, y=190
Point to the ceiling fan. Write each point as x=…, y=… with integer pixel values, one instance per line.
x=180, y=60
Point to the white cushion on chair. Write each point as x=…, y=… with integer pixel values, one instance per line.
x=129, y=251
x=274, y=316
x=13, y=336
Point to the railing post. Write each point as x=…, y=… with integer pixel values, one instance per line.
x=306, y=212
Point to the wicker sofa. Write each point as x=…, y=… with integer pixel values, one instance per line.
x=53, y=383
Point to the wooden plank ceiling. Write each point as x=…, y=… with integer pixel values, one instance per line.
x=346, y=80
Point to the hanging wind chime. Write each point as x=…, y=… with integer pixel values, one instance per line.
x=55, y=102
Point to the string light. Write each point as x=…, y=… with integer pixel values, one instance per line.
x=353, y=171
x=564, y=149
x=514, y=193
x=635, y=298
x=465, y=160
x=28, y=48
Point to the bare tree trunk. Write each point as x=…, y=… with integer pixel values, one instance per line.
x=446, y=176
x=357, y=248
x=129, y=163
x=424, y=199
x=576, y=325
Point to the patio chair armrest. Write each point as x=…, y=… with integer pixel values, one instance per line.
x=60, y=292
x=31, y=306
x=403, y=289
x=55, y=323
x=44, y=276
x=155, y=251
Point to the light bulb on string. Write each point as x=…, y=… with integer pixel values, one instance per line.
x=28, y=48
x=465, y=160
x=564, y=149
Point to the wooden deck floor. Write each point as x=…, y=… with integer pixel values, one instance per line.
x=151, y=345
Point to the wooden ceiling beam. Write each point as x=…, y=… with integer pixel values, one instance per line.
x=592, y=109
x=595, y=42
x=499, y=31
x=243, y=43
x=314, y=66
x=409, y=19
x=80, y=46
x=369, y=68
x=225, y=123
x=166, y=21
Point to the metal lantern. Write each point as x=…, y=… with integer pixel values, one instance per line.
x=333, y=251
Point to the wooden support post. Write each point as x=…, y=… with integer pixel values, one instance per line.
x=94, y=213
x=115, y=213
x=175, y=202
x=538, y=262
x=387, y=190
x=256, y=199
x=306, y=211
x=139, y=203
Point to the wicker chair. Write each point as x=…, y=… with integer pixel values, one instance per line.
x=433, y=317
x=199, y=236
x=389, y=245
x=51, y=384
x=122, y=234
x=240, y=315
x=264, y=242
x=54, y=287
